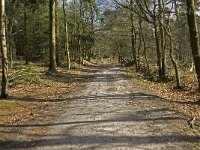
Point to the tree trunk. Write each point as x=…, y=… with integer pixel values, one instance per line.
x=26, y=39
x=10, y=46
x=4, y=83
x=167, y=30
x=145, y=51
x=10, y=56
x=58, y=61
x=162, y=40
x=90, y=54
x=178, y=80
x=75, y=31
x=79, y=49
x=80, y=24
x=159, y=62
x=180, y=32
x=133, y=37
x=90, y=51
x=194, y=37
x=66, y=37
x=140, y=43
x=52, y=42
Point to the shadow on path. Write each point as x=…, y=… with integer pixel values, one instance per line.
x=118, y=97
x=138, y=116
x=136, y=140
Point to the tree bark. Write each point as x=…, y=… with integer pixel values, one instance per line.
x=145, y=50
x=140, y=43
x=90, y=51
x=162, y=40
x=52, y=38
x=75, y=54
x=58, y=61
x=66, y=37
x=4, y=82
x=159, y=62
x=194, y=37
x=178, y=80
x=26, y=39
x=9, y=45
x=133, y=37
x=80, y=24
x=179, y=53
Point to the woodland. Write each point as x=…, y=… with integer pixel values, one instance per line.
x=156, y=42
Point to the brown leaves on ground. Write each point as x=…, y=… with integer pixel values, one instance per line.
x=34, y=92
x=185, y=100
x=28, y=98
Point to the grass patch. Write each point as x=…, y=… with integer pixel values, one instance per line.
x=22, y=74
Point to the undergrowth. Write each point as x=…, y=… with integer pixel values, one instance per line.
x=25, y=74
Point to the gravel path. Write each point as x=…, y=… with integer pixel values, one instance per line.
x=110, y=113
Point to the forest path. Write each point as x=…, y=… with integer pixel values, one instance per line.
x=110, y=113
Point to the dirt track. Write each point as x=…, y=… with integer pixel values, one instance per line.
x=110, y=113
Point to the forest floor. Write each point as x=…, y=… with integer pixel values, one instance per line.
x=95, y=107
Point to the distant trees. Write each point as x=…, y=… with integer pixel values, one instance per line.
x=157, y=35
x=29, y=26
x=27, y=29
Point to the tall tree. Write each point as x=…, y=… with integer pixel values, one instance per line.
x=194, y=36
x=26, y=37
x=66, y=37
x=75, y=30
x=52, y=39
x=133, y=36
x=167, y=29
x=4, y=83
x=58, y=60
x=162, y=38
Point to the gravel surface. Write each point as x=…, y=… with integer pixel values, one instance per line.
x=110, y=113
